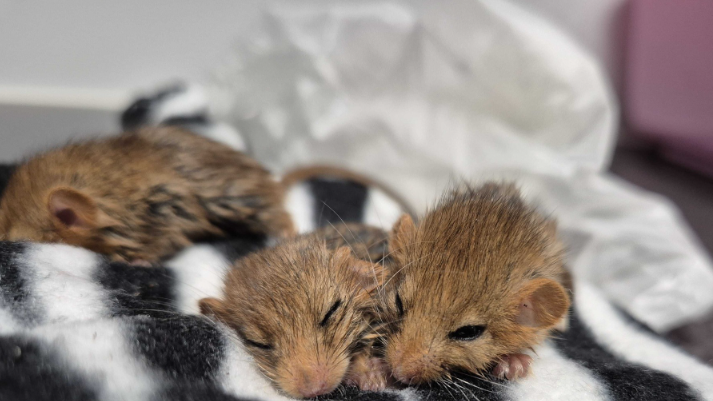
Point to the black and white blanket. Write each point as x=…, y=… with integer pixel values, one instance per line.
x=76, y=327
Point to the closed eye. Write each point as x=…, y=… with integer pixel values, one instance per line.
x=399, y=305
x=330, y=312
x=255, y=344
x=467, y=333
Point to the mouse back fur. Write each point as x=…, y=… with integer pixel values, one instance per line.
x=141, y=195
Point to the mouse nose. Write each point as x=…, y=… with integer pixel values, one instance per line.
x=413, y=367
x=311, y=390
x=316, y=381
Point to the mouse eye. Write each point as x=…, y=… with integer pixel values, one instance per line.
x=329, y=313
x=399, y=305
x=255, y=344
x=466, y=333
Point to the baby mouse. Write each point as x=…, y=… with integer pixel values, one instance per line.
x=141, y=196
x=476, y=282
x=368, y=370
x=302, y=310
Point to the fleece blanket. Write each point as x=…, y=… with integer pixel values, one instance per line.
x=75, y=327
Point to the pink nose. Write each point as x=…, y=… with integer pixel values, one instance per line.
x=403, y=375
x=316, y=382
x=411, y=369
x=314, y=388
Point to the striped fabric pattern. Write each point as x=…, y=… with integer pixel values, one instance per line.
x=75, y=327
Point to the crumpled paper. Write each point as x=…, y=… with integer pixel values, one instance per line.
x=425, y=94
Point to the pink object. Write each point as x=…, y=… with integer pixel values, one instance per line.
x=669, y=82
x=694, y=152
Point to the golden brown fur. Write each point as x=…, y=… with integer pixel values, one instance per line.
x=302, y=310
x=479, y=280
x=141, y=195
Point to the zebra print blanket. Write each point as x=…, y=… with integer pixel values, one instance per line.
x=75, y=327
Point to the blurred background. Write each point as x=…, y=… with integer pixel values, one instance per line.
x=68, y=68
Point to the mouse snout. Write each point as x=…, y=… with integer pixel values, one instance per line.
x=308, y=379
x=315, y=383
x=413, y=363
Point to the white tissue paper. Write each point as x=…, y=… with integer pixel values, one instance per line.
x=424, y=94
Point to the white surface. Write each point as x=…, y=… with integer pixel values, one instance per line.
x=200, y=270
x=554, y=377
x=61, y=277
x=300, y=203
x=109, y=49
x=240, y=375
x=633, y=345
x=100, y=351
x=124, y=45
x=66, y=59
x=381, y=210
x=9, y=323
x=466, y=85
x=597, y=25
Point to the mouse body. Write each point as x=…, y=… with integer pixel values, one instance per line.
x=303, y=311
x=141, y=196
x=478, y=281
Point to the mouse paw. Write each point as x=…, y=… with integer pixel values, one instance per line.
x=513, y=366
x=369, y=374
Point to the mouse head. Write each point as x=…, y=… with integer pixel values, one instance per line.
x=301, y=310
x=47, y=201
x=477, y=279
x=34, y=209
x=62, y=215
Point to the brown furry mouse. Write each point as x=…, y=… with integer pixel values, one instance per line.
x=141, y=196
x=303, y=311
x=368, y=370
x=477, y=282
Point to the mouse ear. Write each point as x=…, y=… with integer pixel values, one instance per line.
x=72, y=209
x=213, y=307
x=402, y=234
x=370, y=275
x=542, y=303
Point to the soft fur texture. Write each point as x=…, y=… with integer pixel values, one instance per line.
x=477, y=281
x=301, y=310
x=305, y=309
x=142, y=195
